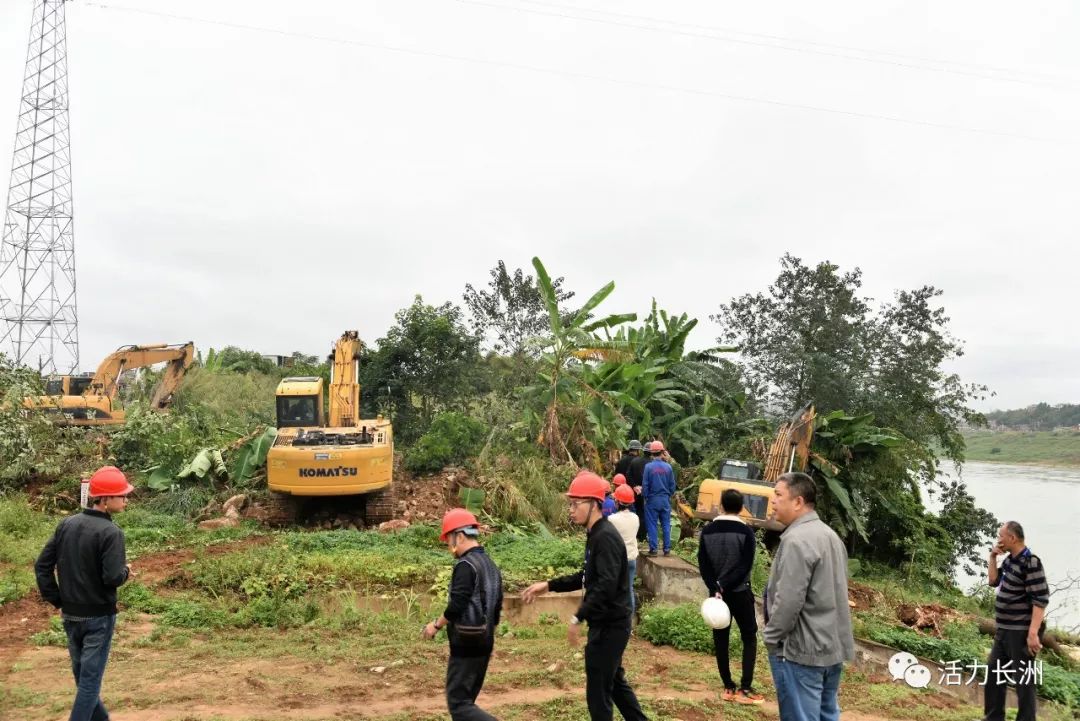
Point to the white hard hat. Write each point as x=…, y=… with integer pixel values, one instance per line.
x=716, y=613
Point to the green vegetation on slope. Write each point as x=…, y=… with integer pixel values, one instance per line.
x=1047, y=448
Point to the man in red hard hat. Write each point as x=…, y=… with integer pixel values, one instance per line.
x=626, y=523
x=657, y=488
x=472, y=614
x=87, y=552
x=606, y=604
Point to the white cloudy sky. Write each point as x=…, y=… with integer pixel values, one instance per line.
x=269, y=190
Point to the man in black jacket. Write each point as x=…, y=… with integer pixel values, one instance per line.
x=634, y=479
x=725, y=559
x=628, y=456
x=87, y=552
x=605, y=605
x=472, y=614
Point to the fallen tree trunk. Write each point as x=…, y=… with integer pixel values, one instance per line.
x=987, y=627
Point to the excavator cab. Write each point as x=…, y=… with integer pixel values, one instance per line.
x=300, y=402
x=68, y=385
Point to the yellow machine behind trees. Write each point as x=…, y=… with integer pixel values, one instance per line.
x=341, y=455
x=790, y=451
x=83, y=400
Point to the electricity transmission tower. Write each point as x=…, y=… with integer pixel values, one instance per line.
x=39, y=325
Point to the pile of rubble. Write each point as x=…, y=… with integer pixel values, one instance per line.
x=420, y=499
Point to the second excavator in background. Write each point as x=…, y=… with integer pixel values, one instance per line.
x=85, y=400
x=790, y=451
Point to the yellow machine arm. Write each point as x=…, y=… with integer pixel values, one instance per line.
x=790, y=449
x=179, y=357
x=345, y=382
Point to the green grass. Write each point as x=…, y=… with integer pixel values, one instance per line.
x=1050, y=448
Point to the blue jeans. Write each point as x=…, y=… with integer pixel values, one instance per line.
x=632, y=568
x=88, y=645
x=658, y=511
x=806, y=693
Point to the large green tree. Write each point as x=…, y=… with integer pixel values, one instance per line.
x=428, y=362
x=511, y=310
x=812, y=337
x=889, y=408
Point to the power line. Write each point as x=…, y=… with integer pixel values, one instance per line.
x=849, y=48
x=585, y=76
x=912, y=62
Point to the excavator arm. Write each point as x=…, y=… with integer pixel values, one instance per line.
x=345, y=381
x=179, y=357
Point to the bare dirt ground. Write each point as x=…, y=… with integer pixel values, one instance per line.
x=318, y=674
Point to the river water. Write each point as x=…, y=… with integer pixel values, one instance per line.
x=1045, y=501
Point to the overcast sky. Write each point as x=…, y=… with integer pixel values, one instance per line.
x=269, y=190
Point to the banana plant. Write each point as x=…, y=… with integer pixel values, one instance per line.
x=561, y=388
x=843, y=446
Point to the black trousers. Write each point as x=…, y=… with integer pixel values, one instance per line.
x=741, y=604
x=1009, y=646
x=639, y=509
x=464, y=679
x=605, y=680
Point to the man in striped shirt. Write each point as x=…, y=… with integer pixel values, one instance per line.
x=1022, y=595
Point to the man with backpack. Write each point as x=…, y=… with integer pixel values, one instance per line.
x=472, y=614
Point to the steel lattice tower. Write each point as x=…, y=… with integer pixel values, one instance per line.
x=38, y=321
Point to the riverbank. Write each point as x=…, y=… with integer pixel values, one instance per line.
x=1059, y=449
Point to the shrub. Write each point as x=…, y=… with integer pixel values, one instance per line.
x=452, y=438
x=683, y=628
x=182, y=613
x=54, y=635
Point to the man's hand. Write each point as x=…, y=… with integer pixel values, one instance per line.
x=430, y=631
x=720, y=595
x=131, y=573
x=1033, y=643
x=537, y=589
x=637, y=490
x=573, y=635
x=995, y=551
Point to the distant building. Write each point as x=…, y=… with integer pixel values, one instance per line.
x=281, y=361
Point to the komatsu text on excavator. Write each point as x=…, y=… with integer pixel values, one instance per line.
x=83, y=400
x=337, y=455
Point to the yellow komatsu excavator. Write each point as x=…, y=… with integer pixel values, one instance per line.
x=790, y=451
x=339, y=455
x=84, y=400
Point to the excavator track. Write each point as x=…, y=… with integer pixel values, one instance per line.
x=281, y=509
x=380, y=507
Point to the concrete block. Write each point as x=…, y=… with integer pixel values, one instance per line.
x=671, y=580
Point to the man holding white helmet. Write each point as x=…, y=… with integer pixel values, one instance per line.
x=725, y=560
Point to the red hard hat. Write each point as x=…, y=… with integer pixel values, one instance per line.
x=456, y=519
x=656, y=447
x=587, y=484
x=618, y=480
x=109, y=481
x=624, y=494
